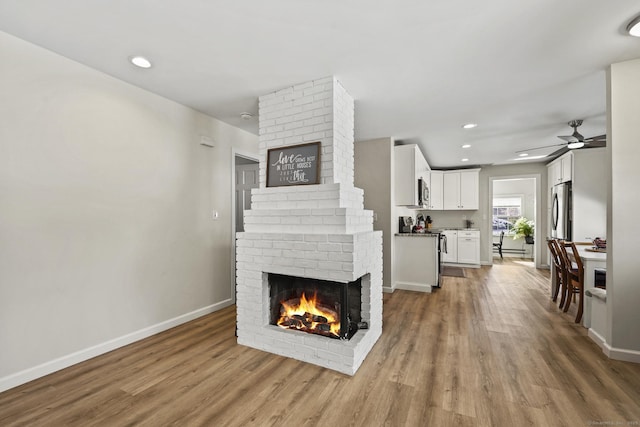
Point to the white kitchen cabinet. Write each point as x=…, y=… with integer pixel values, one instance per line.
x=469, y=189
x=451, y=190
x=463, y=247
x=435, y=191
x=566, y=167
x=451, y=255
x=552, y=171
x=469, y=247
x=461, y=190
x=561, y=169
x=410, y=165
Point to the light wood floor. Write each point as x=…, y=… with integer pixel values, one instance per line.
x=490, y=349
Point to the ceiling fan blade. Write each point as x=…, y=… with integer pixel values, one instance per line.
x=599, y=138
x=559, y=152
x=539, y=148
x=597, y=143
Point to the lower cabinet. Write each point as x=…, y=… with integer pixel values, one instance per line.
x=469, y=247
x=463, y=247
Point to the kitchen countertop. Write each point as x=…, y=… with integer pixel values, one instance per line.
x=431, y=234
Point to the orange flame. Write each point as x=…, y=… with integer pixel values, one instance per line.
x=308, y=315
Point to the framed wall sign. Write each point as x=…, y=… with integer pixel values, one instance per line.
x=294, y=165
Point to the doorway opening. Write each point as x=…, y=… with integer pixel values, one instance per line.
x=514, y=217
x=246, y=176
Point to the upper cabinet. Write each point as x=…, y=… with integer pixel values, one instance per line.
x=436, y=191
x=561, y=169
x=410, y=165
x=566, y=163
x=445, y=190
x=461, y=189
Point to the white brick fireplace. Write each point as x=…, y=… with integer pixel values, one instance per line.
x=318, y=231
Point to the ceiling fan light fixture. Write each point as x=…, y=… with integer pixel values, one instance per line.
x=634, y=27
x=576, y=144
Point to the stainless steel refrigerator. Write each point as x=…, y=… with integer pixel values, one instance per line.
x=561, y=211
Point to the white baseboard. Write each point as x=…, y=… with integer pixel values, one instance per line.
x=597, y=338
x=621, y=354
x=456, y=264
x=52, y=366
x=418, y=287
x=387, y=289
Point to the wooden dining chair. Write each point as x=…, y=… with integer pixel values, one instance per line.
x=498, y=245
x=559, y=270
x=574, y=277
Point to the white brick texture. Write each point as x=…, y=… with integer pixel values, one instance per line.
x=320, y=110
x=315, y=231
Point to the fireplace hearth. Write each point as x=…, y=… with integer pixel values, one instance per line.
x=321, y=307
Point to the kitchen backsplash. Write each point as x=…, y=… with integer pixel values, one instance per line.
x=452, y=219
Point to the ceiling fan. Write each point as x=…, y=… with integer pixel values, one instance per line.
x=575, y=140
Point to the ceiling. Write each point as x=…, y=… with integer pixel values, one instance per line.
x=418, y=70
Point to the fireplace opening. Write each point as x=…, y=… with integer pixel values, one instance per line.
x=322, y=307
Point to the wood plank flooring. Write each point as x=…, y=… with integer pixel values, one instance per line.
x=490, y=349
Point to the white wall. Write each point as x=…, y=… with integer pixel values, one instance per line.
x=105, y=211
x=623, y=273
x=374, y=174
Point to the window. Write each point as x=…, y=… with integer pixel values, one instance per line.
x=506, y=210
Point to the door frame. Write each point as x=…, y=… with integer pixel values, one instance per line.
x=249, y=156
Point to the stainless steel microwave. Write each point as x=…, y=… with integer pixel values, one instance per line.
x=423, y=193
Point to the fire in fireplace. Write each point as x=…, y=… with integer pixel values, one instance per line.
x=331, y=309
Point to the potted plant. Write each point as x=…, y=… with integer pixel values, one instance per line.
x=523, y=228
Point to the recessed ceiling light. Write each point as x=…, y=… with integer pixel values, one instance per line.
x=246, y=116
x=466, y=146
x=523, y=155
x=140, y=61
x=469, y=125
x=634, y=27
x=464, y=160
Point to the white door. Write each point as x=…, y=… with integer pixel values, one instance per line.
x=246, y=179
